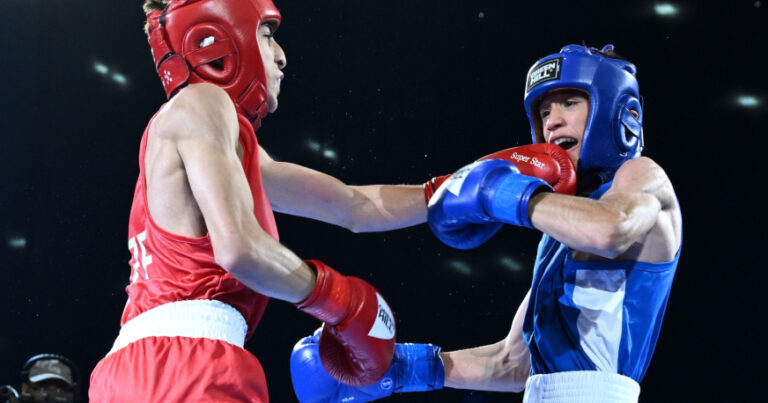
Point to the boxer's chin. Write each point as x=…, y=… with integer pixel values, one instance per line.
x=574, y=152
x=272, y=104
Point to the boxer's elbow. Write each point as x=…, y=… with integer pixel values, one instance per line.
x=517, y=386
x=613, y=237
x=358, y=219
x=358, y=226
x=609, y=238
x=248, y=267
x=620, y=222
x=235, y=253
x=513, y=367
x=351, y=223
x=231, y=258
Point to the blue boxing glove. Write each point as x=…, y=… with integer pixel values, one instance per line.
x=474, y=202
x=415, y=368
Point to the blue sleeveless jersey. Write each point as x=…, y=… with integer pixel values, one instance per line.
x=602, y=316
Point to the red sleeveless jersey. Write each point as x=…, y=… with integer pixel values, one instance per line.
x=167, y=267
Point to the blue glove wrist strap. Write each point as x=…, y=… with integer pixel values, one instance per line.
x=420, y=368
x=510, y=198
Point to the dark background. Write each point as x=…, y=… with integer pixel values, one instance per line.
x=387, y=92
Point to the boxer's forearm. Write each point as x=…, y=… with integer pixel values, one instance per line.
x=503, y=366
x=490, y=367
x=387, y=207
x=265, y=266
x=619, y=219
x=305, y=192
x=605, y=227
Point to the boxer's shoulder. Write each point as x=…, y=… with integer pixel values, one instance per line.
x=641, y=169
x=645, y=175
x=198, y=110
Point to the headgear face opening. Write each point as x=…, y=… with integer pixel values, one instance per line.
x=213, y=41
x=612, y=134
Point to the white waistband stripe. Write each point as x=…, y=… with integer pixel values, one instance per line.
x=581, y=387
x=208, y=319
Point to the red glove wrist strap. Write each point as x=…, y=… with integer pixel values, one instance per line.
x=329, y=300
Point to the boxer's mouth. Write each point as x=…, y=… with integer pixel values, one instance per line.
x=565, y=142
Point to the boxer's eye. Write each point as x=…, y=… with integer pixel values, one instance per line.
x=267, y=31
x=573, y=101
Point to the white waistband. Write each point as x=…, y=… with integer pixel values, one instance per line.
x=581, y=387
x=208, y=319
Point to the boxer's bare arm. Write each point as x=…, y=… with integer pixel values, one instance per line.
x=636, y=219
x=502, y=367
x=200, y=127
x=301, y=191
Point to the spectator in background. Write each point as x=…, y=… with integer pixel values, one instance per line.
x=45, y=378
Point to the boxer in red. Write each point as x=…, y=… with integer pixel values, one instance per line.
x=205, y=249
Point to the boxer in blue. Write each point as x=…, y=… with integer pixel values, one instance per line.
x=587, y=329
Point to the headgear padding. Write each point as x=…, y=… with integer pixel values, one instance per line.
x=612, y=134
x=180, y=39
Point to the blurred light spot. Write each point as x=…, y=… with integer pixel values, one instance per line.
x=748, y=101
x=481, y=15
x=17, y=242
x=325, y=152
x=330, y=154
x=757, y=4
x=119, y=78
x=100, y=68
x=510, y=264
x=460, y=267
x=665, y=9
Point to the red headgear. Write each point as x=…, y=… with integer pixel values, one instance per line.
x=180, y=38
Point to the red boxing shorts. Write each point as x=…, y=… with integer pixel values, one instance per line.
x=186, y=351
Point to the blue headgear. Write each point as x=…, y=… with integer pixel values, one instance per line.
x=612, y=135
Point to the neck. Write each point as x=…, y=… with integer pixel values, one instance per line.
x=590, y=181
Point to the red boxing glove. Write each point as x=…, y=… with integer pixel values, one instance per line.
x=545, y=161
x=358, y=339
x=542, y=160
x=430, y=187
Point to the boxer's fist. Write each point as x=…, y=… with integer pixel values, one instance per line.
x=470, y=206
x=358, y=340
x=415, y=368
x=545, y=161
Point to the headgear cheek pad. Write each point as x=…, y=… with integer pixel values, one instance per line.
x=213, y=41
x=612, y=134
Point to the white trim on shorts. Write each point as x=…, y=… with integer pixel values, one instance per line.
x=208, y=319
x=581, y=387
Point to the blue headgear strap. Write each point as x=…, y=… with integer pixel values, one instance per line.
x=612, y=135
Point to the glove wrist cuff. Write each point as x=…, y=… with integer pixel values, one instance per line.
x=429, y=190
x=511, y=196
x=431, y=186
x=329, y=300
x=422, y=370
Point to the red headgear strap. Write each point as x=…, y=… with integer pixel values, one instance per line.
x=180, y=39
